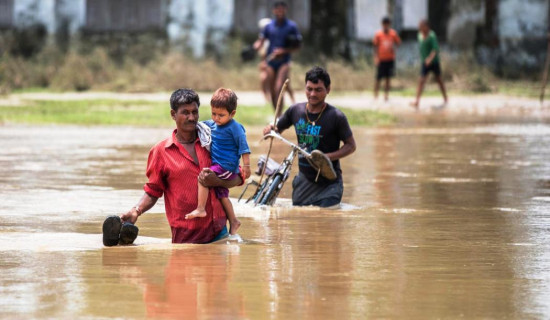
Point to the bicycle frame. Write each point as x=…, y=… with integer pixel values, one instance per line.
x=267, y=192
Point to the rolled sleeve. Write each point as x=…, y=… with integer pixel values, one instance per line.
x=285, y=121
x=243, y=144
x=155, y=167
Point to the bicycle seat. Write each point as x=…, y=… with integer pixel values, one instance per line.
x=272, y=166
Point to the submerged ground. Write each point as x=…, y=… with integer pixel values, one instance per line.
x=446, y=215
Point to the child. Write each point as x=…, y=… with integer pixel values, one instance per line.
x=429, y=52
x=228, y=145
x=385, y=42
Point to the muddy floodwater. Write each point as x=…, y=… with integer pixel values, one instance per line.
x=439, y=221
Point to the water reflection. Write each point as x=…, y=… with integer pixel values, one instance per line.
x=189, y=282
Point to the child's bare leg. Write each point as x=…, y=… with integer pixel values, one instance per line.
x=234, y=223
x=387, y=89
x=200, y=212
x=419, y=90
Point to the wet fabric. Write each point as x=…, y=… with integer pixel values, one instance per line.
x=224, y=233
x=308, y=193
x=172, y=172
x=325, y=133
x=385, y=44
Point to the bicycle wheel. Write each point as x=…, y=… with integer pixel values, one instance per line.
x=272, y=191
x=260, y=192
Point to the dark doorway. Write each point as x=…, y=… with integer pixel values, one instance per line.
x=438, y=15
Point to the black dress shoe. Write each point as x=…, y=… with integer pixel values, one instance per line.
x=111, y=230
x=128, y=233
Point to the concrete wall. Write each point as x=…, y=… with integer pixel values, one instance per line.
x=6, y=13
x=517, y=28
x=466, y=17
x=522, y=29
x=247, y=13
x=199, y=23
x=413, y=12
x=70, y=15
x=125, y=15
x=522, y=19
x=368, y=15
x=27, y=13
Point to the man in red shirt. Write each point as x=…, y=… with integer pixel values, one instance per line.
x=174, y=169
x=385, y=42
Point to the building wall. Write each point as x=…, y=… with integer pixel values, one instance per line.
x=197, y=24
x=6, y=13
x=124, y=15
x=466, y=17
x=248, y=12
x=70, y=15
x=522, y=29
x=413, y=12
x=28, y=13
x=517, y=28
x=368, y=15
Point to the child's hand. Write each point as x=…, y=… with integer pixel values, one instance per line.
x=246, y=171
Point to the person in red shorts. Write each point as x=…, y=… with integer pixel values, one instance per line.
x=385, y=42
x=174, y=169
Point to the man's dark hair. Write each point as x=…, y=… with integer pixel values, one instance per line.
x=280, y=4
x=183, y=96
x=386, y=20
x=317, y=73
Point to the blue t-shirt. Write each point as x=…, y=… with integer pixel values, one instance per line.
x=278, y=34
x=228, y=144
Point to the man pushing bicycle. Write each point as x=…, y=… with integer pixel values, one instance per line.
x=322, y=127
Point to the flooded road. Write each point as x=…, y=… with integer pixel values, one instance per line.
x=439, y=222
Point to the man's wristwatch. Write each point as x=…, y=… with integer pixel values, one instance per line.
x=138, y=210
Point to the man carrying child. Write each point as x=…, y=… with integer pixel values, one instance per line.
x=175, y=169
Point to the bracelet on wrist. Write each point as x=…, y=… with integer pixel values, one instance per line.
x=138, y=210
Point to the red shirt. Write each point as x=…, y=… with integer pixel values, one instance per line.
x=385, y=43
x=172, y=171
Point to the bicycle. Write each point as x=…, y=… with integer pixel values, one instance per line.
x=277, y=174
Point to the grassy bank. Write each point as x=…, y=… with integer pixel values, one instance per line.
x=145, y=113
x=96, y=70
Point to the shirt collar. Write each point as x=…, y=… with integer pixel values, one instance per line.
x=284, y=22
x=173, y=140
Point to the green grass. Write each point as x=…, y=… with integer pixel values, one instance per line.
x=145, y=113
x=33, y=90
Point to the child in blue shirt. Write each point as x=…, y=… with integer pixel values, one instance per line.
x=227, y=147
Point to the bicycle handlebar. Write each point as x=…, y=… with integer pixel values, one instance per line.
x=274, y=134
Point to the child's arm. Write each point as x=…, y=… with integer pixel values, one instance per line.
x=246, y=165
